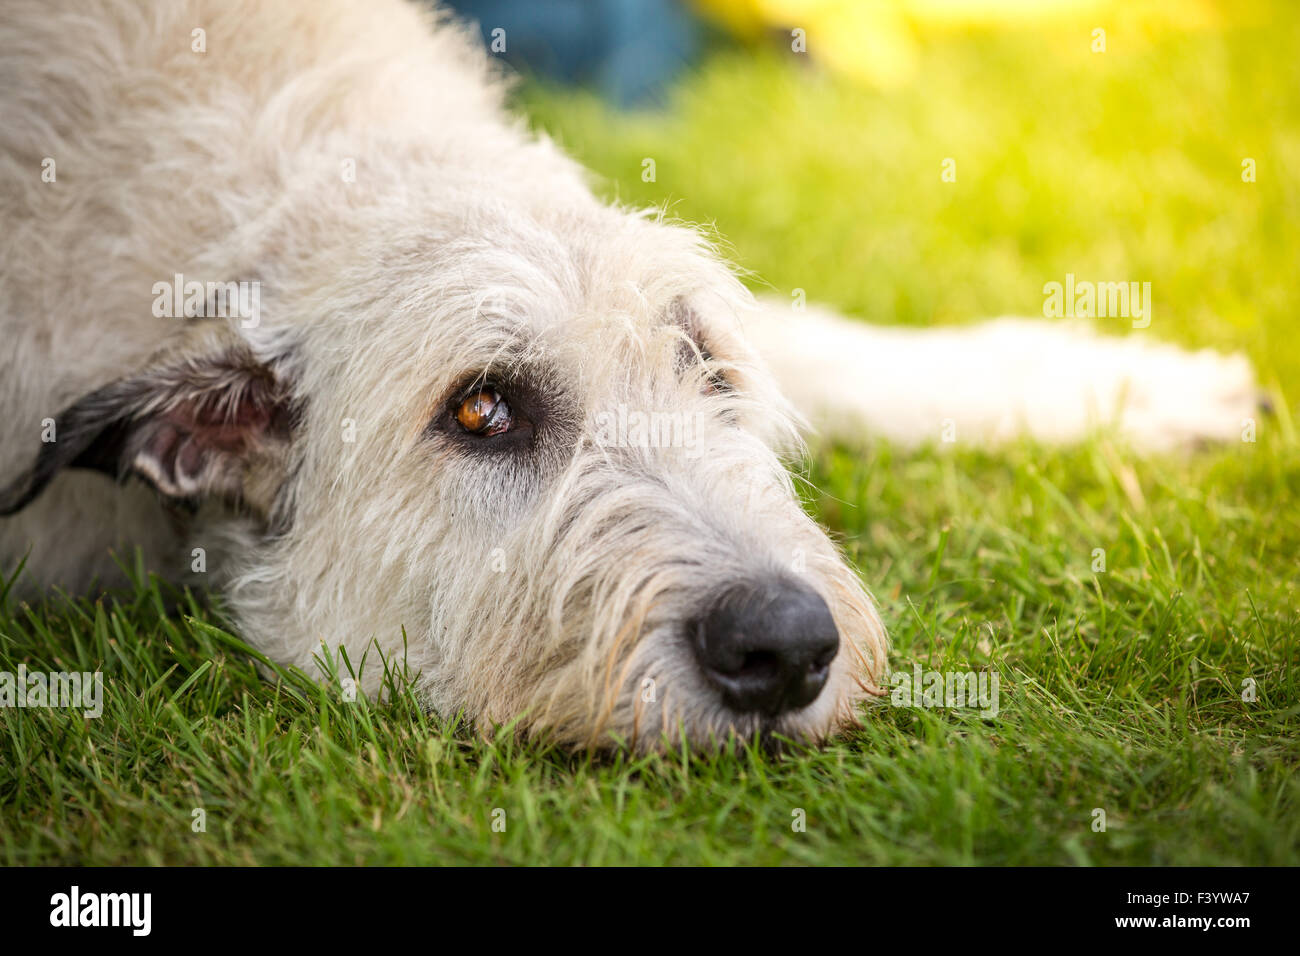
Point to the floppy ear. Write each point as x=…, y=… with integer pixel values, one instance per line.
x=197, y=429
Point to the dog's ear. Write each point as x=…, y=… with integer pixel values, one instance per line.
x=193, y=430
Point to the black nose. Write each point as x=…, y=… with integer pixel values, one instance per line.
x=767, y=648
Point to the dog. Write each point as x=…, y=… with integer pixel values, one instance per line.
x=384, y=374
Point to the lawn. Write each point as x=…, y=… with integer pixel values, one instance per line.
x=1122, y=689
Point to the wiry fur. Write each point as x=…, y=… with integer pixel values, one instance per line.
x=546, y=585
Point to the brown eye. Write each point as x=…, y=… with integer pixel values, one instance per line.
x=485, y=413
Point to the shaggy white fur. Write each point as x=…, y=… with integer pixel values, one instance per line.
x=407, y=241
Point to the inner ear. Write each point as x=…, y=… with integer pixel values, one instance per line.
x=202, y=445
x=693, y=348
x=205, y=428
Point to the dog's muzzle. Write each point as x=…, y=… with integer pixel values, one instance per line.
x=767, y=648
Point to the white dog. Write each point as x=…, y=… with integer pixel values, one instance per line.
x=383, y=372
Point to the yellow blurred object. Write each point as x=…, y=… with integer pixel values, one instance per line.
x=868, y=42
x=875, y=41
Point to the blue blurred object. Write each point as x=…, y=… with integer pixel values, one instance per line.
x=628, y=50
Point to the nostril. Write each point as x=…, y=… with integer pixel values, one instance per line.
x=767, y=649
x=827, y=653
x=759, y=665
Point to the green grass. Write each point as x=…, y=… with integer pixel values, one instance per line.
x=1121, y=690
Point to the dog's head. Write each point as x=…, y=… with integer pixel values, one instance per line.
x=526, y=447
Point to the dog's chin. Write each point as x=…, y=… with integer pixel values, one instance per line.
x=694, y=713
x=810, y=726
x=708, y=725
x=784, y=733
x=663, y=701
x=781, y=733
x=712, y=726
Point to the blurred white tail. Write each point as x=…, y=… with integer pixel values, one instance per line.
x=1054, y=380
